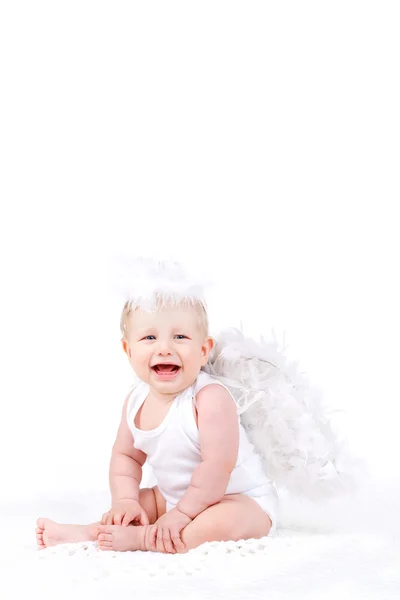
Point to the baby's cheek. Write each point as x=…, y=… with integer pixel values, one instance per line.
x=140, y=366
x=144, y=365
x=193, y=363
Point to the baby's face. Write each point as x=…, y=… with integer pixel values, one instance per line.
x=167, y=348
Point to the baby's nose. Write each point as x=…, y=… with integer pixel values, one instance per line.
x=164, y=347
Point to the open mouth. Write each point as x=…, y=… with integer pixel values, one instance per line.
x=166, y=371
x=166, y=368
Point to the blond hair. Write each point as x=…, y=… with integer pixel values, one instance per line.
x=160, y=303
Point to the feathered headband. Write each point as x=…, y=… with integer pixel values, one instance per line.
x=150, y=283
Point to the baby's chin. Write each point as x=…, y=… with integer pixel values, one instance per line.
x=174, y=384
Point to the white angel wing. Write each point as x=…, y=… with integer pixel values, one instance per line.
x=284, y=417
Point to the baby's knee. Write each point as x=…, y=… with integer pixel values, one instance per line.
x=245, y=520
x=229, y=524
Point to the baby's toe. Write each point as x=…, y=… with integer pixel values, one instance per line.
x=104, y=528
x=104, y=537
x=41, y=523
x=103, y=545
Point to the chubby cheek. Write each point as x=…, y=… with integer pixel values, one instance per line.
x=139, y=361
x=193, y=361
x=143, y=362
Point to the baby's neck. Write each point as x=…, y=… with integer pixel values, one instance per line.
x=160, y=397
x=164, y=397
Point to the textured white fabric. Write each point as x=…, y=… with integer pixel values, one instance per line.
x=347, y=549
x=173, y=451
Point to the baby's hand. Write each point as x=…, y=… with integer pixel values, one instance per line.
x=165, y=533
x=124, y=512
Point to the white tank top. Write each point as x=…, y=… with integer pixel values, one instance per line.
x=173, y=448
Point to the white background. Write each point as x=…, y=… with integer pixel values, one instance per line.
x=260, y=140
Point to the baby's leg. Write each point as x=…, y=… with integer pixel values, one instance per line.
x=50, y=533
x=236, y=517
x=153, y=503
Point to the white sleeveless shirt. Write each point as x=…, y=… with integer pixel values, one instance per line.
x=173, y=448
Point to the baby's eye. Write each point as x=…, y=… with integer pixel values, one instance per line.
x=180, y=337
x=148, y=337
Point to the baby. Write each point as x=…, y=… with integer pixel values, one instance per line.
x=210, y=482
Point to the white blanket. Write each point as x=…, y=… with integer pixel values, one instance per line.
x=345, y=549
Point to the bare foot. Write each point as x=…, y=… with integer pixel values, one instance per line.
x=50, y=533
x=117, y=537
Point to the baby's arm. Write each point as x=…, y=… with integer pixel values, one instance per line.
x=219, y=445
x=126, y=464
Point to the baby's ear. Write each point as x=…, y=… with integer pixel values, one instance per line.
x=206, y=349
x=126, y=348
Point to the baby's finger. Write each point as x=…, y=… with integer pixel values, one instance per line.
x=117, y=518
x=126, y=520
x=167, y=542
x=176, y=539
x=153, y=538
x=109, y=519
x=159, y=542
x=144, y=519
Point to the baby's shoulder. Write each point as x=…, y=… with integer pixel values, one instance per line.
x=203, y=380
x=206, y=383
x=136, y=391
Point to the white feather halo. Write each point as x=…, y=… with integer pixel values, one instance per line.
x=148, y=283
